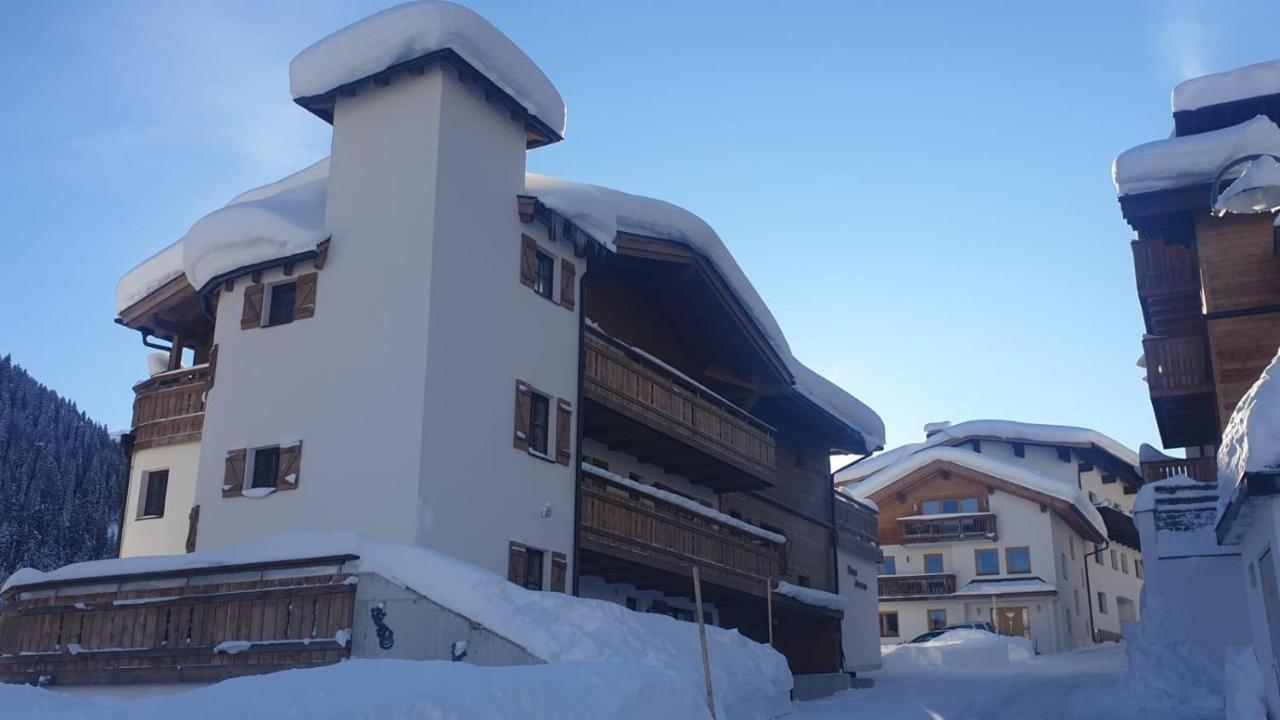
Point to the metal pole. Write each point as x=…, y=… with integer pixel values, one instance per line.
x=768, y=594
x=702, y=636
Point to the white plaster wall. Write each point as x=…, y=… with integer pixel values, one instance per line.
x=1116, y=584
x=860, y=628
x=1263, y=534
x=163, y=535
x=1070, y=548
x=1044, y=460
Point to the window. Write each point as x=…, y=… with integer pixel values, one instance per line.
x=543, y=274
x=1097, y=553
x=1115, y=562
x=631, y=603
x=1124, y=563
x=533, y=569
x=969, y=505
x=987, y=562
x=1017, y=560
x=280, y=304
x=937, y=619
x=933, y=563
x=888, y=624
x=1068, y=615
x=949, y=506
x=1063, y=557
x=266, y=465
x=1137, y=568
x=1064, y=454
x=1102, y=603
x=889, y=566
x=155, y=485
x=539, y=414
x=1019, y=450
x=1071, y=543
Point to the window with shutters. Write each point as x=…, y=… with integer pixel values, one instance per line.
x=280, y=303
x=539, y=422
x=533, y=569
x=265, y=467
x=155, y=486
x=281, y=298
x=543, y=274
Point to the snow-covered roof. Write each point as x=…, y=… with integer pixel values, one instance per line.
x=1251, y=440
x=810, y=596
x=412, y=30
x=1005, y=430
x=1240, y=84
x=1192, y=159
x=1007, y=472
x=1184, y=512
x=1005, y=587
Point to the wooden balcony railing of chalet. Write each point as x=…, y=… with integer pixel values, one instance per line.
x=1176, y=365
x=897, y=586
x=857, y=526
x=626, y=523
x=1204, y=469
x=1162, y=269
x=943, y=528
x=169, y=408
x=647, y=390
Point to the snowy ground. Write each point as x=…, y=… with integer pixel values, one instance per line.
x=1088, y=683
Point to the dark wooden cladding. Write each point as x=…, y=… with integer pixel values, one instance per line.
x=1177, y=365
x=810, y=548
x=1242, y=348
x=626, y=382
x=856, y=526
x=1164, y=269
x=1237, y=262
x=169, y=408
x=1204, y=469
x=177, y=633
x=637, y=527
x=981, y=526
x=905, y=586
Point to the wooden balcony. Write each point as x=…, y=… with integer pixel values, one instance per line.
x=946, y=528
x=909, y=586
x=1168, y=279
x=625, y=524
x=857, y=527
x=1204, y=469
x=169, y=408
x=647, y=409
x=1177, y=365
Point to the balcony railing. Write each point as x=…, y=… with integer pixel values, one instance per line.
x=640, y=387
x=942, y=528
x=169, y=408
x=1204, y=469
x=1177, y=365
x=856, y=525
x=896, y=586
x=632, y=525
x=1162, y=269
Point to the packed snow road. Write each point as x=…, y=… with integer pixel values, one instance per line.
x=1085, y=684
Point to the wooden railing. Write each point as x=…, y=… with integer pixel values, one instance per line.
x=892, y=586
x=634, y=525
x=640, y=387
x=856, y=524
x=950, y=527
x=1204, y=469
x=1176, y=365
x=169, y=408
x=1162, y=269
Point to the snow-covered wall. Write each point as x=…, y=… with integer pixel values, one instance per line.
x=166, y=535
x=1258, y=561
x=859, y=629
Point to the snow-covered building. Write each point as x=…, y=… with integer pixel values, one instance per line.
x=1022, y=525
x=419, y=341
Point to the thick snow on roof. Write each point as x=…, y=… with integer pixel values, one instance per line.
x=1007, y=430
x=1005, y=587
x=1191, y=159
x=148, y=276
x=1240, y=84
x=414, y=29
x=983, y=464
x=1251, y=440
x=810, y=596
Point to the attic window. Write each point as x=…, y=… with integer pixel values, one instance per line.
x=1064, y=454
x=1019, y=450
x=544, y=272
x=266, y=465
x=283, y=297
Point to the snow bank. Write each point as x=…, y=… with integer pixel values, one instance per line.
x=399, y=690
x=1191, y=159
x=1240, y=84
x=810, y=596
x=962, y=649
x=1245, y=697
x=1251, y=440
x=414, y=29
x=1168, y=672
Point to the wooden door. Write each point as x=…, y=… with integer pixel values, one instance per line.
x=1012, y=621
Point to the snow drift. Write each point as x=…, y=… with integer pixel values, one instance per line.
x=958, y=650
x=1251, y=440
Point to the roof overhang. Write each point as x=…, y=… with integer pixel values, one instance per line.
x=1224, y=115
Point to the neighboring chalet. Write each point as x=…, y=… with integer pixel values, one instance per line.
x=1024, y=526
x=418, y=341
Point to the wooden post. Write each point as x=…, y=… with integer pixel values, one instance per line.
x=768, y=598
x=702, y=636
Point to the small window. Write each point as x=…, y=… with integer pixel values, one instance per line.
x=969, y=505
x=1115, y=561
x=937, y=619
x=543, y=275
x=950, y=507
x=631, y=603
x=1065, y=574
x=266, y=465
x=1064, y=454
x=539, y=414
x=280, y=305
x=889, y=566
x=888, y=624
x=1137, y=568
x=155, y=486
x=1017, y=560
x=1019, y=450
x=1071, y=543
x=1068, y=615
x=1124, y=563
x=533, y=569
x=1102, y=603
x=933, y=563
x=987, y=561
x=1097, y=554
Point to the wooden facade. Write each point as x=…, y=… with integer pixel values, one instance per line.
x=169, y=408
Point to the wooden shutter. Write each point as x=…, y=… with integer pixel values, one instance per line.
x=193, y=522
x=524, y=401
x=564, y=430
x=213, y=366
x=290, y=464
x=251, y=311
x=568, y=284
x=516, y=563
x=233, y=477
x=528, y=260
x=559, y=566
x=304, y=301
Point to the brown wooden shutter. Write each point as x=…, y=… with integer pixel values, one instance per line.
x=290, y=464
x=251, y=311
x=193, y=522
x=528, y=260
x=516, y=563
x=524, y=402
x=559, y=566
x=213, y=367
x=304, y=301
x=233, y=477
x=564, y=430
x=568, y=284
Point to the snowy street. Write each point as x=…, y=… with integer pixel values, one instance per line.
x=1088, y=683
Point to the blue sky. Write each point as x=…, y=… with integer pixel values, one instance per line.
x=921, y=192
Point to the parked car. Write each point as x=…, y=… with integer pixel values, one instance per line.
x=986, y=626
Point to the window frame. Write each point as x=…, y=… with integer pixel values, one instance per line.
x=957, y=502
x=1115, y=562
x=144, y=494
x=251, y=468
x=540, y=257
x=942, y=564
x=1124, y=563
x=534, y=397
x=886, y=615
x=269, y=302
x=889, y=562
x=1008, y=560
x=977, y=563
x=534, y=558
x=929, y=621
x=1102, y=603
